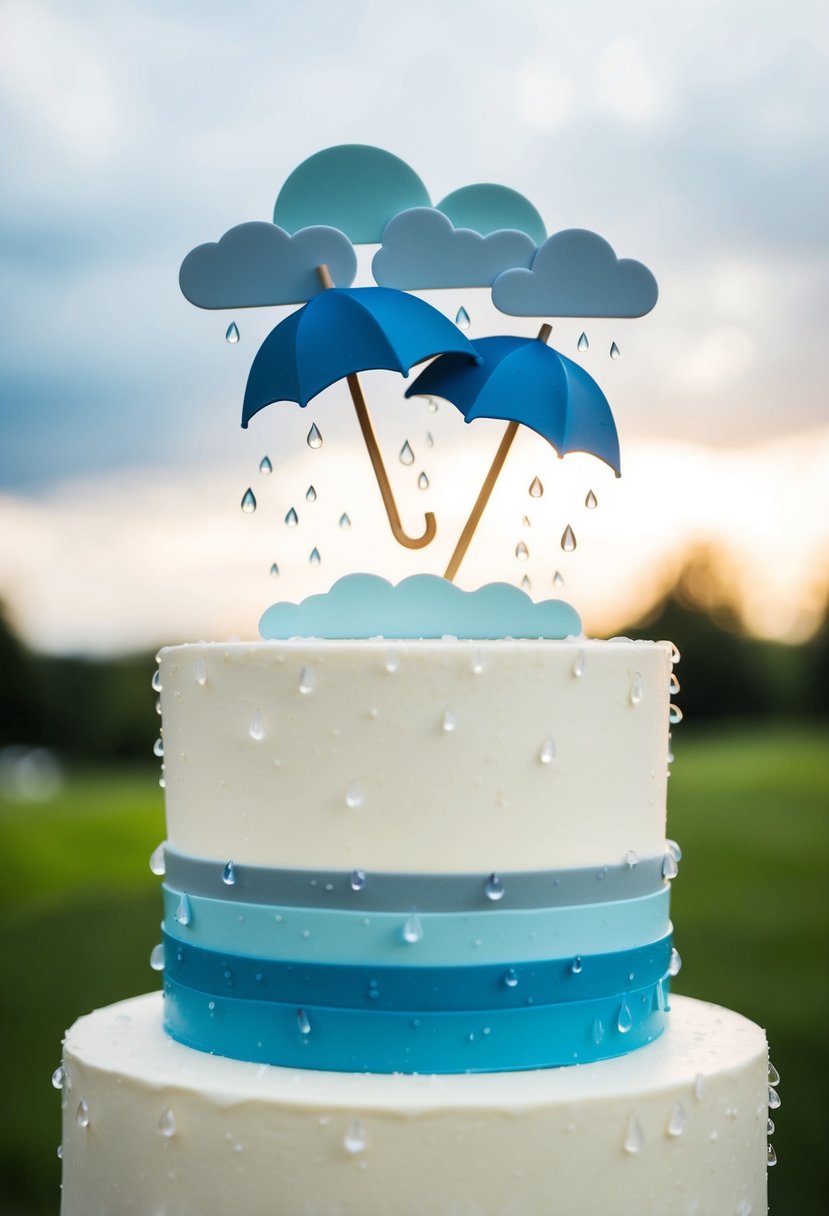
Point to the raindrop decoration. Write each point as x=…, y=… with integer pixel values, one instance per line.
x=358, y=880
x=430, y=439
x=774, y=1099
x=510, y=978
x=558, y=580
x=547, y=753
x=406, y=455
x=58, y=1077
x=157, y=863
x=582, y=343
x=636, y=689
x=423, y=482
x=229, y=875
x=579, y=664
x=631, y=859
x=157, y=957
x=314, y=438
x=673, y=686
x=676, y=1123
x=167, y=1123
x=302, y=1022
x=536, y=488
x=248, y=503
x=675, y=965
x=82, y=1114
x=256, y=730
x=265, y=466
x=344, y=521
x=314, y=558
x=158, y=747
x=413, y=930
x=675, y=715
x=60, y=1152
x=526, y=585
x=577, y=966
x=292, y=519
x=597, y=1031
x=614, y=351
x=676, y=852
x=525, y=522
x=200, y=672
x=591, y=501
x=669, y=867
x=675, y=655
x=462, y=318
x=310, y=494
x=494, y=888
x=184, y=912
x=155, y=683
x=307, y=681
x=774, y=1075
x=274, y=570
x=354, y=798
x=449, y=722
x=568, y=539
x=624, y=1020
x=634, y=1136
x=232, y=333
x=355, y=1138
x=521, y=551
x=771, y=1155
x=770, y=1127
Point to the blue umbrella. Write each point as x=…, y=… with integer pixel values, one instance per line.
x=343, y=331
x=526, y=382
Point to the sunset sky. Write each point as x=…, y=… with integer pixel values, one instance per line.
x=692, y=137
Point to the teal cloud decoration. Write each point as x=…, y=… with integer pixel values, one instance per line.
x=422, y=606
x=259, y=264
x=354, y=187
x=576, y=273
x=423, y=249
x=487, y=207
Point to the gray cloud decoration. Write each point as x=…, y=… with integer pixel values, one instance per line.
x=576, y=273
x=422, y=249
x=259, y=264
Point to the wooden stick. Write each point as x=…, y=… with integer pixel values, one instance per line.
x=488, y=486
x=364, y=419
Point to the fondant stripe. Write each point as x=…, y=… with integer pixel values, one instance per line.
x=332, y=936
x=490, y=987
x=351, y=1040
x=392, y=892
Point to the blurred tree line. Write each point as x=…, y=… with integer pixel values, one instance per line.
x=102, y=709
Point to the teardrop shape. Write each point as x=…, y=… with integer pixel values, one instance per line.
x=634, y=1136
x=558, y=580
x=669, y=867
x=265, y=466
x=568, y=539
x=494, y=888
x=307, y=681
x=256, y=730
x=413, y=930
x=771, y=1155
x=673, y=685
x=274, y=570
x=525, y=522
x=624, y=1019
x=676, y=657
x=354, y=1140
x=462, y=318
x=579, y=664
x=158, y=864
x=674, y=849
x=303, y=1022
x=354, y=796
x=423, y=482
x=637, y=689
x=184, y=912
x=406, y=455
x=510, y=978
x=229, y=874
x=314, y=558
x=200, y=672
x=232, y=333
x=577, y=966
x=314, y=438
x=449, y=722
x=675, y=965
x=536, y=488
x=774, y=1075
x=248, y=501
x=547, y=753
x=358, y=880
x=344, y=521
x=676, y=1122
x=155, y=682
x=58, y=1077
x=614, y=351
x=774, y=1099
x=597, y=1031
x=292, y=519
x=582, y=343
x=157, y=957
x=591, y=501
x=310, y=494
x=158, y=747
x=770, y=1127
x=675, y=715
x=167, y=1123
x=82, y=1114
x=525, y=583
x=521, y=551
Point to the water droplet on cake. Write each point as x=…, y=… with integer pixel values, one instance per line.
x=265, y=466
x=624, y=1020
x=636, y=689
x=413, y=930
x=291, y=518
x=229, y=875
x=406, y=455
x=307, y=681
x=200, y=672
x=354, y=797
x=526, y=585
x=699, y=1086
x=634, y=1136
x=155, y=682
x=536, y=488
x=449, y=722
x=675, y=965
x=157, y=957
x=60, y=1152
x=631, y=859
x=674, y=849
x=310, y=494
x=248, y=503
x=462, y=318
x=158, y=864
x=478, y=663
x=521, y=551
x=344, y=521
x=167, y=1123
x=430, y=439
x=423, y=482
x=770, y=1127
x=58, y=1077
x=579, y=664
x=314, y=438
x=184, y=912
x=358, y=880
x=676, y=1123
x=314, y=558
x=614, y=351
x=675, y=655
x=558, y=580
x=675, y=715
x=302, y=1022
x=774, y=1075
x=597, y=1031
x=669, y=867
x=391, y=662
x=673, y=686
x=771, y=1155
x=582, y=343
x=274, y=570
x=568, y=540
x=256, y=730
x=591, y=501
x=510, y=978
x=577, y=965
x=494, y=888
x=82, y=1114
x=547, y=754
x=355, y=1138
x=774, y=1099
x=158, y=747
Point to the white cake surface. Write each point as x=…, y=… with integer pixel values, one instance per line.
x=677, y=1128
x=417, y=755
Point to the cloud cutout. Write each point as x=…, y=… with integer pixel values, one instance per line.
x=487, y=207
x=422, y=249
x=576, y=273
x=423, y=606
x=258, y=264
x=354, y=187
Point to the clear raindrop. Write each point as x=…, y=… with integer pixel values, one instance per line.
x=579, y=664
x=770, y=1127
x=158, y=747
x=58, y=1077
x=256, y=730
x=673, y=686
x=774, y=1099
x=82, y=1114
x=345, y=522
x=184, y=912
x=274, y=570
x=354, y=796
x=155, y=682
x=314, y=437
x=494, y=888
x=674, y=850
x=310, y=494
x=167, y=1123
x=406, y=455
x=536, y=488
x=303, y=1024
x=634, y=1136
x=591, y=501
x=423, y=482
x=265, y=466
x=358, y=880
x=597, y=1031
x=771, y=1155
x=355, y=1138
x=314, y=558
x=675, y=715
x=307, y=681
x=229, y=874
x=525, y=584
x=676, y=1122
x=774, y=1075
x=675, y=965
x=631, y=859
x=510, y=978
x=521, y=551
x=675, y=655
x=669, y=867
x=577, y=966
x=413, y=930
x=200, y=672
x=157, y=863
x=232, y=333
x=157, y=957
x=614, y=351
x=637, y=689
x=624, y=1019
x=292, y=519
x=462, y=318
x=558, y=580
x=248, y=503
x=547, y=754
x=583, y=343
x=568, y=539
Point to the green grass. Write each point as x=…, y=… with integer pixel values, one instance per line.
x=750, y=806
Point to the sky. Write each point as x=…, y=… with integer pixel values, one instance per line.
x=691, y=137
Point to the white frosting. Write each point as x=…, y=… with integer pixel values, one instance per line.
x=675, y=1129
x=416, y=755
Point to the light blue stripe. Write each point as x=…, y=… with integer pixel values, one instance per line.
x=449, y=939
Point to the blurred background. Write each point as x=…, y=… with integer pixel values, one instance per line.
x=692, y=139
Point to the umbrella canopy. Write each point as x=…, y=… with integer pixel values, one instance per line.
x=346, y=330
x=523, y=380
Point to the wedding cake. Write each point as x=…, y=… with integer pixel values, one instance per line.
x=416, y=944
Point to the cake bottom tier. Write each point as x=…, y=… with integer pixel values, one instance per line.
x=153, y=1128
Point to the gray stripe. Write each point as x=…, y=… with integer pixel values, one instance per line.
x=392, y=892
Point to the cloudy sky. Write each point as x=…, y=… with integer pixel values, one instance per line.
x=692, y=137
